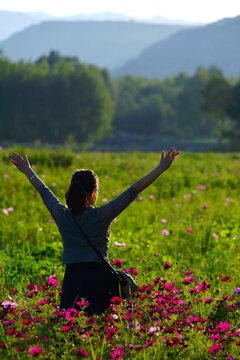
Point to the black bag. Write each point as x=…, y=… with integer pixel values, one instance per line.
x=127, y=284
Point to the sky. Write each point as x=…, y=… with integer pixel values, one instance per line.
x=188, y=10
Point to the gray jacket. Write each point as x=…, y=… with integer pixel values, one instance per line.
x=95, y=221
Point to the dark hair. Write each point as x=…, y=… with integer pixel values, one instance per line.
x=80, y=192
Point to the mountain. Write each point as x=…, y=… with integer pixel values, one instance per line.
x=107, y=44
x=214, y=44
x=12, y=22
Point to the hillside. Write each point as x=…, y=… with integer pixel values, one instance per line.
x=107, y=44
x=214, y=44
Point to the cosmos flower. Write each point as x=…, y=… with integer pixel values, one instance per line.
x=35, y=351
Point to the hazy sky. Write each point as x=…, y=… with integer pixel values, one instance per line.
x=190, y=10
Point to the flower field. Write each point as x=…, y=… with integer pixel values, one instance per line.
x=179, y=239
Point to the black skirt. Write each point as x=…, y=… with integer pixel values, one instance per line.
x=91, y=280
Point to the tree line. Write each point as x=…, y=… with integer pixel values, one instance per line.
x=59, y=99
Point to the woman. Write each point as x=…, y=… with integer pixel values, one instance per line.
x=86, y=274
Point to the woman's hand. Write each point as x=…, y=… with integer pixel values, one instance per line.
x=166, y=160
x=21, y=163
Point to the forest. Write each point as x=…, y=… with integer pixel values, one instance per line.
x=58, y=99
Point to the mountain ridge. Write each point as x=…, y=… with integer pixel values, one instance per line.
x=106, y=44
x=213, y=44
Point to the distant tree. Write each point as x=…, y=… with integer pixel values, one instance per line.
x=53, y=100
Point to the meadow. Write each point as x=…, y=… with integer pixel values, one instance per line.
x=179, y=239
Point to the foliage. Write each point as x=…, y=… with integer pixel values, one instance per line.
x=187, y=221
x=54, y=100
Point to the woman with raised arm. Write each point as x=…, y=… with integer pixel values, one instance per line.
x=86, y=274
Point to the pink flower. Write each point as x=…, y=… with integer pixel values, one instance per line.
x=165, y=232
x=50, y=220
x=140, y=198
x=43, y=176
x=225, y=278
x=224, y=326
x=116, y=300
x=104, y=200
x=1, y=147
x=208, y=300
x=204, y=207
x=118, y=263
x=202, y=187
x=82, y=352
x=11, y=209
x=32, y=288
x=149, y=343
x=66, y=328
x=151, y=196
x=118, y=353
x=6, y=175
x=189, y=280
x=119, y=244
x=215, y=236
x=166, y=265
x=54, y=184
x=164, y=221
x=35, y=351
x=4, y=211
x=7, y=304
x=216, y=347
x=190, y=230
x=53, y=281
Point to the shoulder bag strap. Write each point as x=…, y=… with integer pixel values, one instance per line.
x=94, y=247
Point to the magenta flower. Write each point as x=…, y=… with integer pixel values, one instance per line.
x=6, y=175
x=53, y=281
x=204, y=207
x=208, y=300
x=166, y=265
x=4, y=211
x=189, y=280
x=66, y=328
x=225, y=278
x=116, y=300
x=215, y=236
x=118, y=263
x=151, y=196
x=202, y=187
x=35, y=351
x=118, y=353
x=50, y=220
x=188, y=272
x=224, y=326
x=190, y=230
x=164, y=221
x=165, y=232
x=82, y=352
x=216, y=347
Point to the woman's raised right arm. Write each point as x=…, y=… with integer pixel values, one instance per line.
x=53, y=205
x=165, y=163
